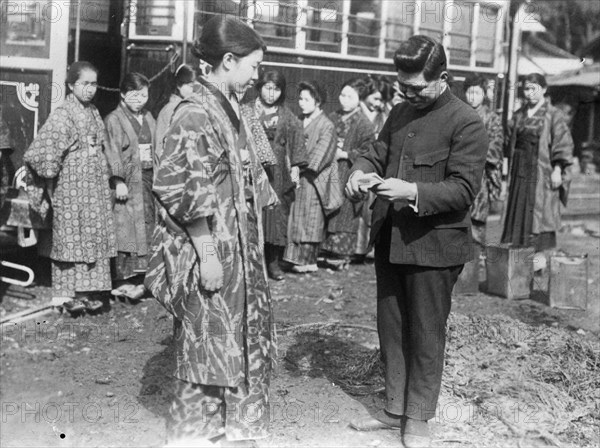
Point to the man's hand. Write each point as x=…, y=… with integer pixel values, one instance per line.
x=121, y=191
x=393, y=190
x=556, y=178
x=353, y=190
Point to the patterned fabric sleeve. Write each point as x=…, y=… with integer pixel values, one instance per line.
x=365, y=137
x=184, y=181
x=561, y=152
x=496, y=138
x=48, y=150
x=297, y=144
x=116, y=141
x=322, y=154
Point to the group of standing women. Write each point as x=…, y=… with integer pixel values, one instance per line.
x=93, y=180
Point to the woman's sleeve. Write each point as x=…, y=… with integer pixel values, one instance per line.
x=496, y=138
x=561, y=150
x=183, y=182
x=322, y=154
x=365, y=137
x=297, y=145
x=116, y=141
x=46, y=153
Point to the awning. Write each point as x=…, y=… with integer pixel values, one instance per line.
x=588, y=76
x=546, y=65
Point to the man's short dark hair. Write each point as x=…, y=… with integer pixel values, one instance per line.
x=421, y=54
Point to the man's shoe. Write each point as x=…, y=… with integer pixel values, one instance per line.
x=380, y=420
x=416, y=434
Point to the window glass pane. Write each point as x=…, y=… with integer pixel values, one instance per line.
x=486, y=36
x=400, y=23
x=276, y=22
x=364, y=27
x=155, y=17
x=25, y=28
x=432, y=19
x=324, y=25
x=205, y=9
x=460, y=17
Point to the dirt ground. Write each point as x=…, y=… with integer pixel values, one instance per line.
x=99, y=380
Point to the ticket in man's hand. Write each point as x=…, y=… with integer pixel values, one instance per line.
x=369, y=181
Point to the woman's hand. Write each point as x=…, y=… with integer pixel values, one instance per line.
x=211, y=271
x=556, y=178
x=121, y=191
x=341, y=155
x=295, y=175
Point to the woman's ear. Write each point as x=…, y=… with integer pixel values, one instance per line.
x=229, y=60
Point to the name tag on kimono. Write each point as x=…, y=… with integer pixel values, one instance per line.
x=145, y=152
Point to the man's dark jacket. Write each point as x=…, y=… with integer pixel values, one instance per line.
x=441, y=148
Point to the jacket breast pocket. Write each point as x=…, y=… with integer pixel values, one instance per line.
x=430, y=167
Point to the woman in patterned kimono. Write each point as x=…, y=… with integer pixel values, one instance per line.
x=130, y=156
x=475, y=88
x=68, y=169
x=354, y=134
x=541, y=154
x=286, y=137
x=184, y=79
x=319, y=194
x=207, y=266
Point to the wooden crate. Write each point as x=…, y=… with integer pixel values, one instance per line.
x=509, y=270
x=468, y=280
x=568, y=285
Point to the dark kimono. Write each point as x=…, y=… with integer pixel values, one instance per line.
x=68, y=150
x=538, y=144
x=319, y=194
x=491, y=182
x=286, y=136
x=130, y=157
x=354, y=134
x=223, y=340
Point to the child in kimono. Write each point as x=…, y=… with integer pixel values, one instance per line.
x=68, y=168
x=286, y=137
x=184, y=79
x=354, y=134
x=130, y=156
x=207, y=266
x=319, y=194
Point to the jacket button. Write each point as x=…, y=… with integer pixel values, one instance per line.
x=411, y=134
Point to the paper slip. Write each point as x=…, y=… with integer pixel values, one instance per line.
x=369, y=181
x=145, y=152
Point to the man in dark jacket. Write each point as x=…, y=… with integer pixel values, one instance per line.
x=431, y=153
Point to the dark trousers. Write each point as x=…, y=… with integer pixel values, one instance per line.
x=413, y=304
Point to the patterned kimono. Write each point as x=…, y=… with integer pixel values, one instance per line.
x=130, y=157
x=319, y=195
x=223, y=340
x=286, y=137
x=538, y=143
x=354, y=135
x=68, y=150
x=491, y=182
